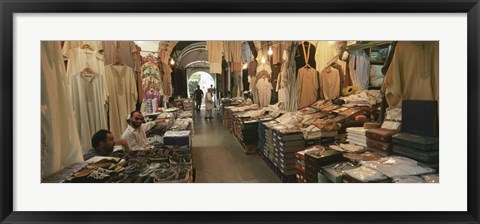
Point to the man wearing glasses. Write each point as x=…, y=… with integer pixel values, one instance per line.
x=135, y=132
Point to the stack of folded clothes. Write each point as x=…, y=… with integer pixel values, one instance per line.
x=188, y=104
x=356, y=135
x=420, y=148
x=379, y=140
x=335, y=172
x=316, y=157
x=180, y=139
x=300, y=166
x=287, y=141
x=248, y=130
x=397, y=166
x=268, y=149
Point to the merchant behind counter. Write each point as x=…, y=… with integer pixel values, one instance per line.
x=247, y=99
x=135, y=133
x=103, y=143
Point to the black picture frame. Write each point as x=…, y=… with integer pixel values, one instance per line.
x=9, y=7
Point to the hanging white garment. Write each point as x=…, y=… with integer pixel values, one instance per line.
x=324, y=52
x=253, y=88
x=94, y=45
x=119, y=50
x=264, y=88
x=122, y=96
x=359, y=65
x=88, y=99
x=79, y=59
x=61, y=143
x=330, y=83
x=281, y=83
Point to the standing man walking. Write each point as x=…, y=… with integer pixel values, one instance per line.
x=198, y=94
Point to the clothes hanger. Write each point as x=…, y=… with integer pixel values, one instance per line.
x=306, y=55
x=87, y=71
x=118, y=62
x=86, y=46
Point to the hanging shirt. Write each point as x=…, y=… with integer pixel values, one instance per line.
x=277, y=56
x=215, y=49
x=339, y=66
x=138, y=74
x=94, y=45
x=359, y=65
x=150, y=58
x=252, y=68
x=264, y=67
x=264, y=88
x=323, y=54
x=89, y=99
x=282, y=83
x=413, y=72
x=119, y=50
x=150, y=69
x=152, y=94
x=79, y=59
x=233, y=54
x=122, y=93
x=167, y=79
x=308, y=86
x=150, y=83
x=137, y=138
x=330, y=83
x=253, y=88
x=246, y=52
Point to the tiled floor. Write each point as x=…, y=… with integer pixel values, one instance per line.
x=219, y=158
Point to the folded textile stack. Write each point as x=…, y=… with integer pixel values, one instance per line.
x=420, y=148
x=268, y=149
x=286, y=142
x=182, y=124
x=185, y=114
x=364, y=175
x=396, y=166
x=300, y=166
x=316, y=157
x=188, y=105
x=177, y=138
x=364, y=98
x=356, y=135
x=248, y=130
x=335, y=172
x=379, y=140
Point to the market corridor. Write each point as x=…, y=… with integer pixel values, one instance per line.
x=219, y=158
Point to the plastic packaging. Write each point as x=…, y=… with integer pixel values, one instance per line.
x=395, y=166
x=431, y=178
x=408, y=179
x=365, y=174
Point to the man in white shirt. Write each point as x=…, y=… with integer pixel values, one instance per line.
x=247, y=101
x=135, y=132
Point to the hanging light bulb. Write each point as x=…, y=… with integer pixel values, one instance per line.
x=172, y=62
x=270, y=52
x=263, y=60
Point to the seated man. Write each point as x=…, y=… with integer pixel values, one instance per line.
x=247, y=101
x=135, y=132
x=103, y=143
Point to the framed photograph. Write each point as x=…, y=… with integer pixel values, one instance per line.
x=28, y=26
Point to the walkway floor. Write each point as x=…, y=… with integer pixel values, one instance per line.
x=219, y=158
